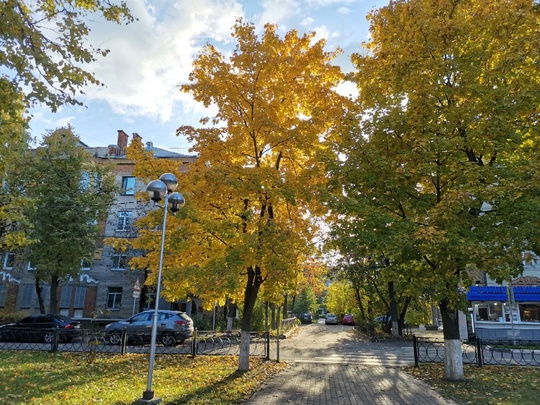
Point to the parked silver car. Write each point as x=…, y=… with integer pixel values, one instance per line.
x=331, y=319
x=173, y=327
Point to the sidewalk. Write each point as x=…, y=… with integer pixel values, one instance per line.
x=342, y=384
x=312, y=383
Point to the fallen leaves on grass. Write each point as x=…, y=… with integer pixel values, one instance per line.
x=37, y=378
x=488, y=385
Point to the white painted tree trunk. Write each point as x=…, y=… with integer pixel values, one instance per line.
x=230, y=322
x=395, y=329
x=453, y=364
x=243, y=360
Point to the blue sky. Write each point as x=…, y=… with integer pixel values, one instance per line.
x=151, y=57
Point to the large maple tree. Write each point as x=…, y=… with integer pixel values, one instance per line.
x=442, y=170
x=252, y=195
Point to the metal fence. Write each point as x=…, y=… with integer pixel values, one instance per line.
x=96, y=341
x=480, y=352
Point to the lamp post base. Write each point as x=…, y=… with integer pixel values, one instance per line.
x=148, y=399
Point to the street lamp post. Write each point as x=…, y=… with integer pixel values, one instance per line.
x=157, y=190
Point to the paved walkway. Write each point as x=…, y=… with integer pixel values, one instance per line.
x=345, y=384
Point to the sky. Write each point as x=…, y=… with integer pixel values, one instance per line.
x=152, y=56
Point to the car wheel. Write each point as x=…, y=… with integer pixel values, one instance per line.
x=48, y=337
x=115, y=338
x=168, y=339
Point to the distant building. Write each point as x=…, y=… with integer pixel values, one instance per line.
x=510, y=310
x=105, y=286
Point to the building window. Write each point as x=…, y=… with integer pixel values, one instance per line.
x=124, y=221
x=128, y=185
x=114, y=297
x=65, y=297
x=30, y=266
x=119, y=261
x=9, y=260
x=529, y=312
x=3, y=295
x=80, y=297
x=28, y=292
x=489, y=312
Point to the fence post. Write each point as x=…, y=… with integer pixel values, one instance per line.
x=123, y=342
x=267, y=331
x=479, y=352
x=415, y=350
x=194, y=343
x=267, y=334
x=54, y=343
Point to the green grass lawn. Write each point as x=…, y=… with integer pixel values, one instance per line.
x=488, y=385
x=67, y=378
x=33, y=378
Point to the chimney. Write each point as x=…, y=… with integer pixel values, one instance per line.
x=122, y=142
x=149, y=146
x=137, y=137
x=114, y=150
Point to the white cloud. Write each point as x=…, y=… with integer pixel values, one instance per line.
x=307, y=22
x=344, y=10
x=279, y=11
x=150, y=57
x=40, y=115
x=325, y=3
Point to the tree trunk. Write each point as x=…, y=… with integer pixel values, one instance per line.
x=39, y=291
x=393, y=309
x=254, y=281
x=53, y=307
x=285, y=310
x=293, y=303
x=453, y=364
x=231, y=313
x=359, y=302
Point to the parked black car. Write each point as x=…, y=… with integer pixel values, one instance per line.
x=173, y=328
x=40, y=328
x=305, y=317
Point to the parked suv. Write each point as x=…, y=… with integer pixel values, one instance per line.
x=40, y=328
x=305, y=317
x=173, y=327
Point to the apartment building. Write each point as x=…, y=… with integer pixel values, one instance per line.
x=105, y=287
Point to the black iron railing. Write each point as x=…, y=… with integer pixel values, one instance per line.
x=480, y=352
x=98, y=341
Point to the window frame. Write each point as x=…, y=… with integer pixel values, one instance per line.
x=119, y=259
x=127, y=188
x=124, y=221
x=114, y=297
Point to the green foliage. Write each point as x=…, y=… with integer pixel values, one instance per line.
x=258, y=317
x=48, y=62
x=7, y=316
x=306, y=301
x=70, y=193
x=14, y=141
x=201, y=323
x=443, y=164
x=340, y=299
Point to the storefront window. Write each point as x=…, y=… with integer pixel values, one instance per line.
x=529, y=312
x=489, y=312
